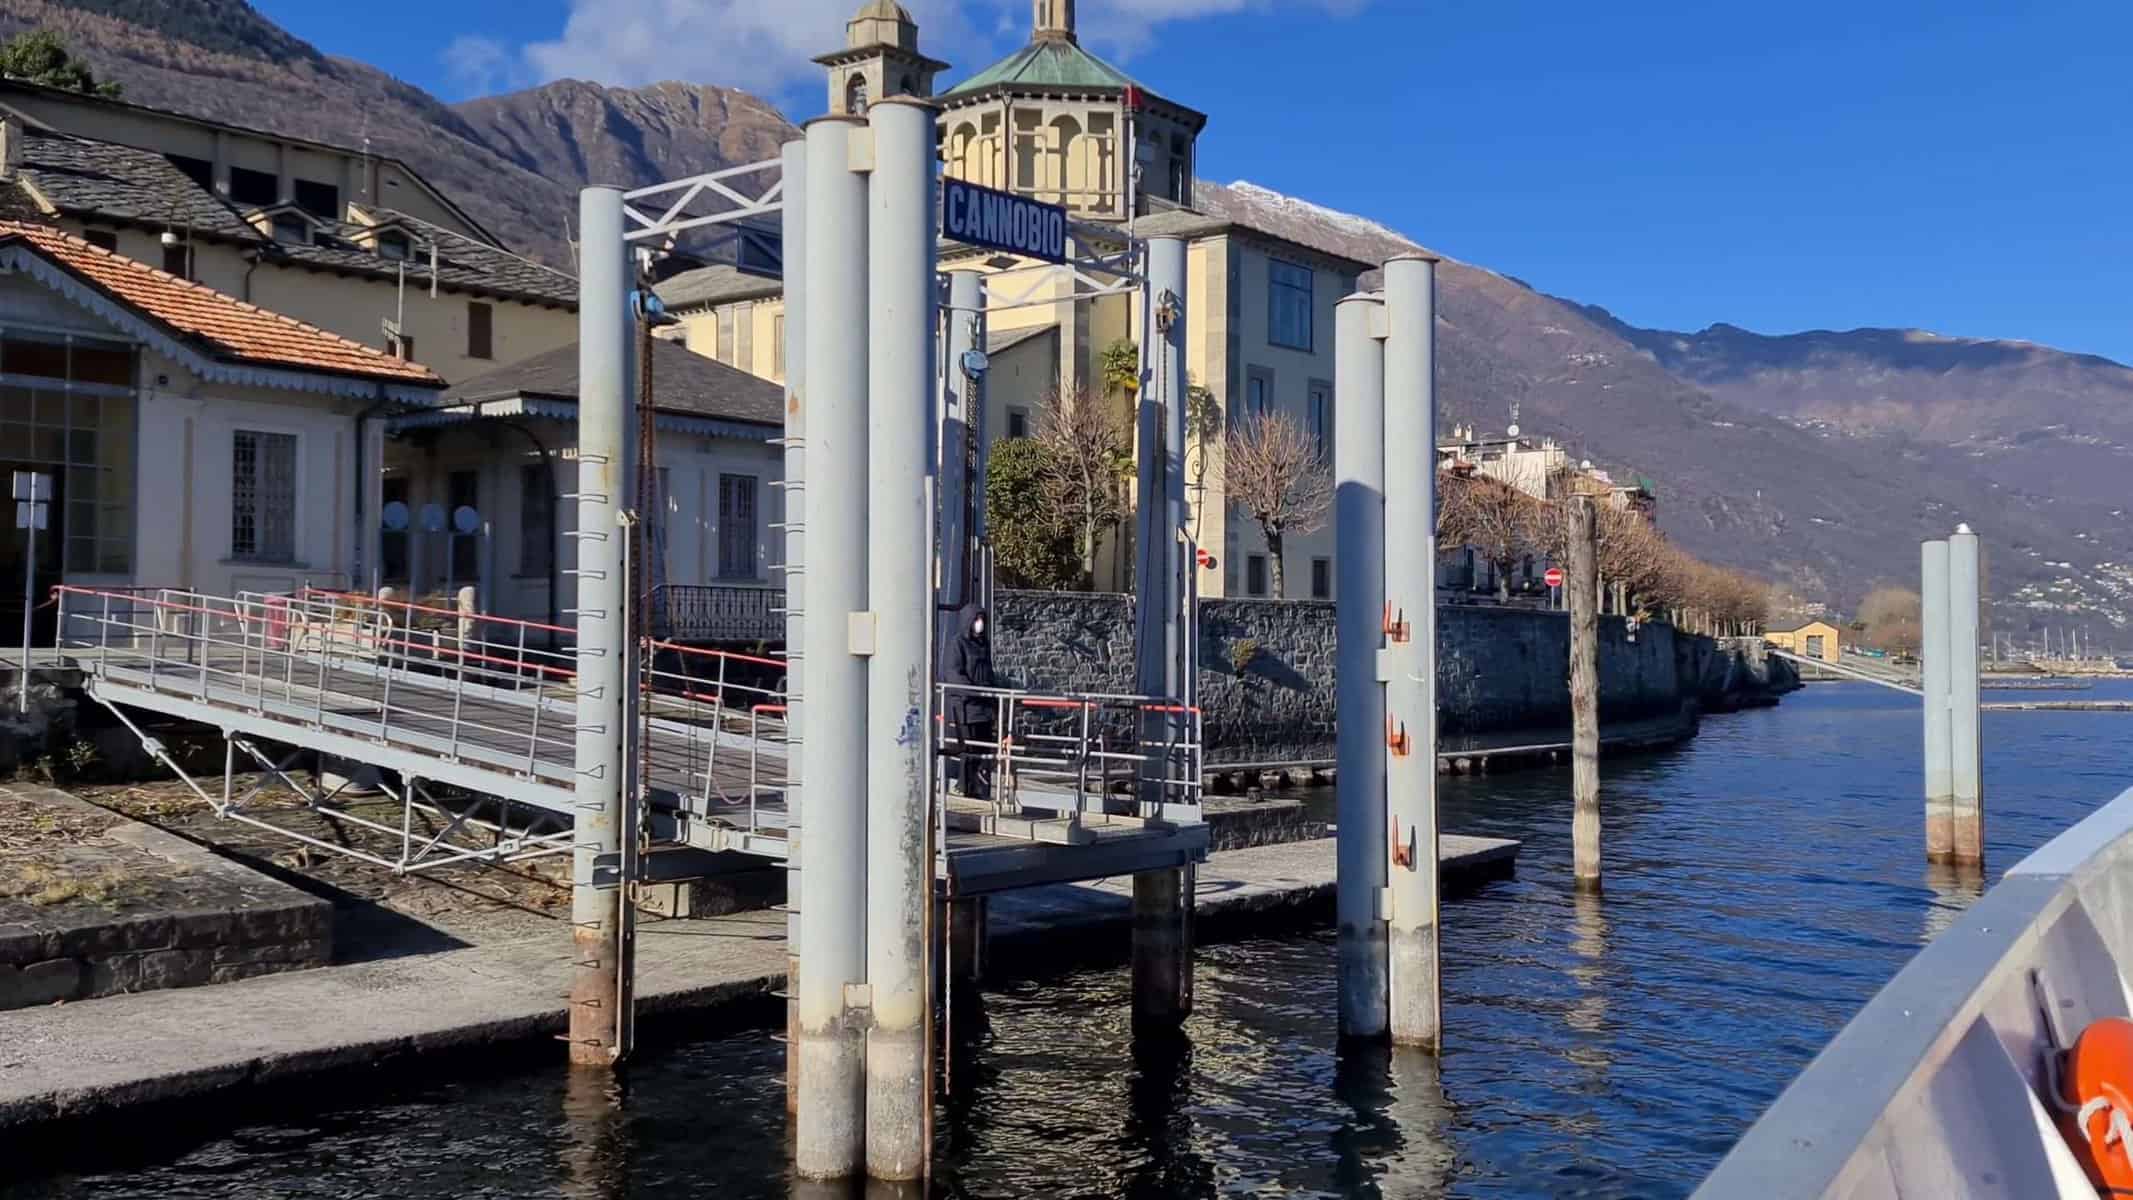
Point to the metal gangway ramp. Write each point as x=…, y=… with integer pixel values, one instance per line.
x=470, y=719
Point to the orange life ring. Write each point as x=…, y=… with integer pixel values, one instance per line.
x=2097, y=1082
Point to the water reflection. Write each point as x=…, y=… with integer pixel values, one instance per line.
x=1954, y=890
x=1397, y=1142
x=592, y=1144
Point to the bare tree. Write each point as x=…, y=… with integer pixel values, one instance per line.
x=1497, y=521
x=1273, y=471
x=1889, y=619
x=1088, y=452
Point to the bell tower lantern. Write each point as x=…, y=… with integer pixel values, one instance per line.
x=880, y=58
x=1055, y=20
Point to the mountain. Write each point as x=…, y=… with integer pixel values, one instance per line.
x=1818, y=460
x=513, y=162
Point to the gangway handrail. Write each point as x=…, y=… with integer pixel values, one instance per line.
x=1851, y=672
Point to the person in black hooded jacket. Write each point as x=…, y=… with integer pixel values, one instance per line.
x=974, y=718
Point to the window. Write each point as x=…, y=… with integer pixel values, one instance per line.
x=263, y=496
x=1255, y=575
x=292, y=229
x=318, y=199
x=178, y=260
x=102, y=239
x=1321, y=579
x=1320, y=416
x=1814, y=645
x=68, y=411
x=728, y=342
x=481, y=330
x=736, y=527
x=463, y=490
x=395, y=247
x=392, y=543
x=253, y=188
x=1017, y=422
x=199, y=170
x=855, y=96
x=536, y=520
x=1258, y=393
x=777, y=343
x=1288, y=321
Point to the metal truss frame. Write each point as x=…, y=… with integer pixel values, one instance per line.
x=536, y=836
x=676, y=212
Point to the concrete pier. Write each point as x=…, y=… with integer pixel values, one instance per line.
x=104, y=1055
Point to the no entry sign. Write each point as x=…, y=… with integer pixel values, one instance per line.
x=1554, y=577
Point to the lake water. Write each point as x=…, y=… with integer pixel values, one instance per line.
x=1761, y=883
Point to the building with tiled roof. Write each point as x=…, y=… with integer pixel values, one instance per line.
x=504, y=444
x=343, y=239
x=188, y=439
x=1055, y=122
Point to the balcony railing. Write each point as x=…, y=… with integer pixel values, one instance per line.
x=718, y=613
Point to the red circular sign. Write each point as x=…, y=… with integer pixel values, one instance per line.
x=1554, y=577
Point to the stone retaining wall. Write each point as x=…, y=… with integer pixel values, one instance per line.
x=1266, y=668
x=176, y=915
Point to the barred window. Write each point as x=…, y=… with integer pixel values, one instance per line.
x=263, y=497
x=736, y=527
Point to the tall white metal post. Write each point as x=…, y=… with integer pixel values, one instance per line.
x=1965, y=766
x=1359, y=600
x=829, y=1140
x=1162, y=900
x=1933, y=679
x=793, y=250
x=604, y=645
x=902, y=250
x=1411, y=650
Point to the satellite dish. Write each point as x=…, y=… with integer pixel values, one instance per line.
x=465, y=519
x=1511, y=432
x=395, y=516
x=433, y=518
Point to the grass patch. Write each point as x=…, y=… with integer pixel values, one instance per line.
x=43, y=886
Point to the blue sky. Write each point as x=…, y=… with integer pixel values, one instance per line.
x=1954, y=166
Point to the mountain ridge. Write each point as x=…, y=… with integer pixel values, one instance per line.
x=1818, y=458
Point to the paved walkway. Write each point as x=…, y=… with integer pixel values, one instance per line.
x=101, y=1054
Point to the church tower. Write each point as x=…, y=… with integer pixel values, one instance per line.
x=1055, y=20
x=881, y=58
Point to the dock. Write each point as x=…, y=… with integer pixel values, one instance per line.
x=100, y=1056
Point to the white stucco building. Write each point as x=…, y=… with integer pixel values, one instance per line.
x=192, y=441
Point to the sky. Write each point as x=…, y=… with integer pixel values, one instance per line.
x=1956, y=166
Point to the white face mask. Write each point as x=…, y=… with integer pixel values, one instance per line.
x=977, y=627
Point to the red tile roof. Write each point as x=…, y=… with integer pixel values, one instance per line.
x=230, y=329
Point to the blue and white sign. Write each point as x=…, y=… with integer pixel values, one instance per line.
x=980, y=216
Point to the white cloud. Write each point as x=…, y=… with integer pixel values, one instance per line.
x=765, y=46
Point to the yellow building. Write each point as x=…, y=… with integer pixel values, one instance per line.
x=1811, y=639
x=355, y=243
x=1055, y=122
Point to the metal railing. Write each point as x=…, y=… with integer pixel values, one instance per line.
x=418, y=687
x=1078, y=755
x=718, y=613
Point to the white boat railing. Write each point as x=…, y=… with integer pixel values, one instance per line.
x=1941, y=1086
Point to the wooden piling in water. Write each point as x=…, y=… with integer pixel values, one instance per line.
x=1584, y=593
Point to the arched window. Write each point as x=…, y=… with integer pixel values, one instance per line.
x=855, y=96
x=963, y=162
x=1067, y=145
x=906, y=86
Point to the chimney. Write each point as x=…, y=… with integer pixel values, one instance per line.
x=10, y=145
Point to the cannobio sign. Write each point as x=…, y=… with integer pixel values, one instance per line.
x=980, y=216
